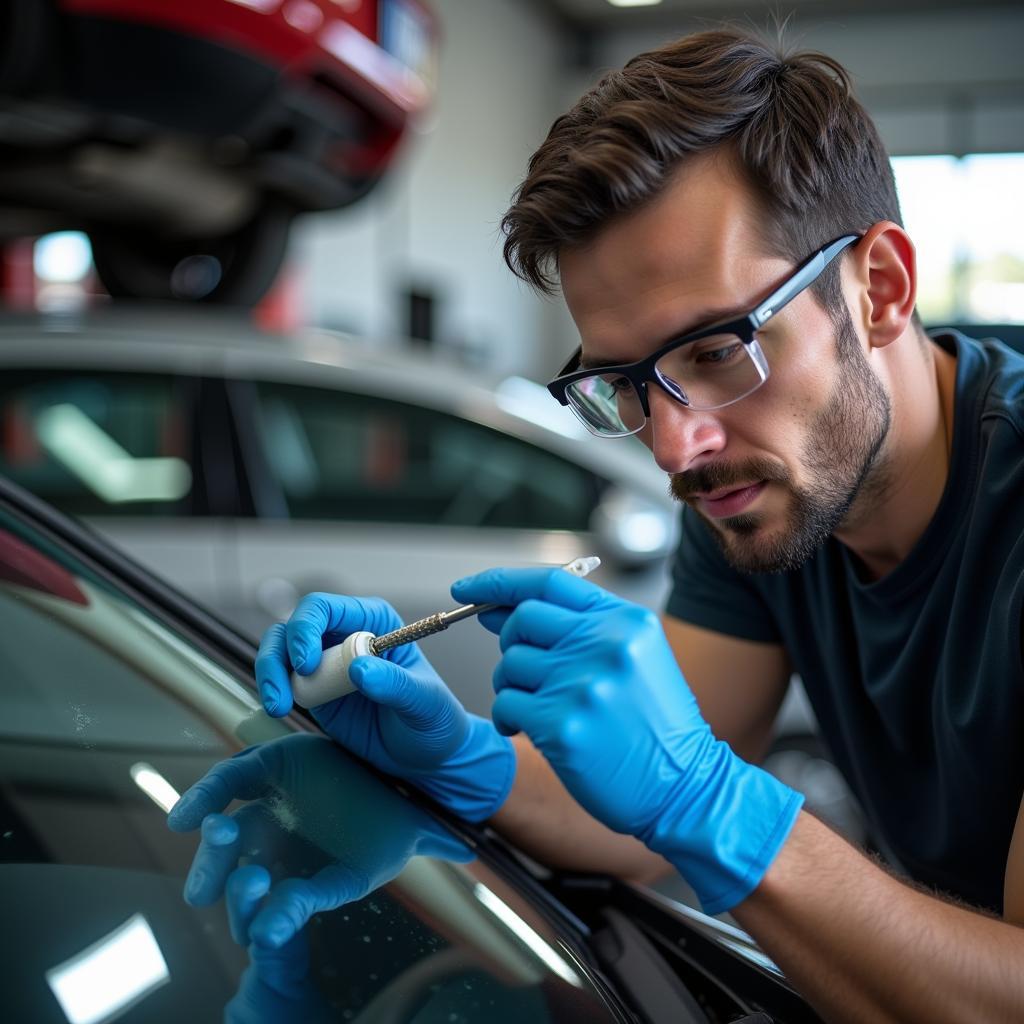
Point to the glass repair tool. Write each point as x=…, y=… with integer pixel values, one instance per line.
x=330, y=680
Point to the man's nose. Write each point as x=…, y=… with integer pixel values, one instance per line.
x=681, y=438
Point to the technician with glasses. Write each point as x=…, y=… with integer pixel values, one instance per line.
x=722, y=221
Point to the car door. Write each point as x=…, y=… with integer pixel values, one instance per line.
x=368, y=495
x=141, y=455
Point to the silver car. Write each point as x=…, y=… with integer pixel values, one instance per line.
x=250, y=469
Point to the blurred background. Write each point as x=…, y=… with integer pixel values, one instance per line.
x=408, y=246
x=256, y=326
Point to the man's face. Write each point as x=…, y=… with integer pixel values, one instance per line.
x=780, y=470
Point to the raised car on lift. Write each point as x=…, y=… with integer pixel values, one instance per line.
x=184, y=137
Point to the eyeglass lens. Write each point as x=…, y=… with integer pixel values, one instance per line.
x=707, y=374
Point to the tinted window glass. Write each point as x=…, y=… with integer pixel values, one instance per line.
x=108, y=714
x=99, y=443
x=344, y=456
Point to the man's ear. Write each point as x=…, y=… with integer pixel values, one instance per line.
x=884, y=267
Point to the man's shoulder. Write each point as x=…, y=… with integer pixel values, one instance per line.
x=990, y=377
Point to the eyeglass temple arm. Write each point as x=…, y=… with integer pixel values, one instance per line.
x=800, y=280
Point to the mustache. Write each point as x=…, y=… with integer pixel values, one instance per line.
x=715, y=475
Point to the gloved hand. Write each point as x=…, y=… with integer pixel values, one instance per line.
x=276, y=987
x=293, y=782
x=592, y=681
x=320, y=861
x=403, y=720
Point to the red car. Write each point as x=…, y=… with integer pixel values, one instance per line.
x=183, y=137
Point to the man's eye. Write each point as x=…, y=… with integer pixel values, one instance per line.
x=721, y=355
x=618, y=384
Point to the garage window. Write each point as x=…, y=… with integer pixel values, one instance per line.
x=970, y=260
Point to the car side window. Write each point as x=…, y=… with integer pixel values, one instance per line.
x=109, y=713
x=338, y=455
x=99, y=443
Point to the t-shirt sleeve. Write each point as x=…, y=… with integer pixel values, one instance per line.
x=708, y=592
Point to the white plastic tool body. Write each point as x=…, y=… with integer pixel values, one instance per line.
x=330, y=680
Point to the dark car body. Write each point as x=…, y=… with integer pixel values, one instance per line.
x=119, y=693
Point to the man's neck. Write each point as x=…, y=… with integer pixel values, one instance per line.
x=888, y=520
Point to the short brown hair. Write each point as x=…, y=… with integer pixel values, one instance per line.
x=806, y=145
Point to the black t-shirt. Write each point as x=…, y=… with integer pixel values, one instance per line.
x=917, y=679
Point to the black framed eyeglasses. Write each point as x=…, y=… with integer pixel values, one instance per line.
x=705, y=369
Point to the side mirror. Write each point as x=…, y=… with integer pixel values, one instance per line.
x=631, y=530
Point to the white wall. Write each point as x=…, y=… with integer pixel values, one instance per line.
x=435, y=222
x=936, y=82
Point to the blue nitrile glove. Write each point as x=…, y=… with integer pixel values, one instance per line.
x=592, y=681
x=334, y=831
x=306, y=796
x=403, y=720
x=276, y=987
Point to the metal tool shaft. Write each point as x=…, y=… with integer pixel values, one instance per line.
x=442, y=620
x=426, y=627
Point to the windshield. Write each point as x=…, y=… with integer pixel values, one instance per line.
x=109, y=714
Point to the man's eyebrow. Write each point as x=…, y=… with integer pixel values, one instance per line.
x=708, y=318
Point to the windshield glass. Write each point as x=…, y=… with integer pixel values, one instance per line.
x=109, y=714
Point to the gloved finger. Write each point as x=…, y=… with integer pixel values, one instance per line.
x=215, y=859
x=324, y=620
x=277, y=989
x=512, y=711
x=421, y=703
x=523, y=667
x=494, y=620
x=272, y=670
x=439, y=842
x=290, y=905
x=538, y=624
x=242, y=777
x=509, y=587
x=244, y=894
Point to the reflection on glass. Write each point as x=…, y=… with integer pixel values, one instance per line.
x=84, y=448
x=522, y=930
x=323, y=855
x=114, y=973
x=154, y=785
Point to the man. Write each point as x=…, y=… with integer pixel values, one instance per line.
x=851, y=496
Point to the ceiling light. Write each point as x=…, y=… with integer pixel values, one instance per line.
x=118, y=971
x=154, y=785
x=633, y=3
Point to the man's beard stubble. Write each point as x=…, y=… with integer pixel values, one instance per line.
x=842, y=455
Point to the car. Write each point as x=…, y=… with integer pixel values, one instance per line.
x=184, y=137
x=251, y=469
x=120, y=692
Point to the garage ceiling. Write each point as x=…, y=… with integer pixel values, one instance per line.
x=600, y=14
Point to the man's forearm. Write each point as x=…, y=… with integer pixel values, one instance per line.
x=544, y=821
x=862, y=946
